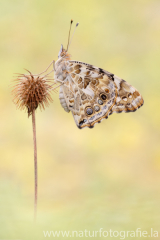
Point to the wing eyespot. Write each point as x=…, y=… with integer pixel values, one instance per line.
x=96, y=108
x=100, y=102
x=103, y=96
x=89, y=111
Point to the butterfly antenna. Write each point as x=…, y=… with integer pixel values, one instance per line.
x=69, y=33
x=73, y=35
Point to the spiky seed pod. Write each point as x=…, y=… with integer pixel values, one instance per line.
x=31, y=92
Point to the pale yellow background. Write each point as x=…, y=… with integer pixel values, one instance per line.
x=106, y=177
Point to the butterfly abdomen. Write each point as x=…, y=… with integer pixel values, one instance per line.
x=62, y=100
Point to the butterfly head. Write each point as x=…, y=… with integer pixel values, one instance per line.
x=63, y=53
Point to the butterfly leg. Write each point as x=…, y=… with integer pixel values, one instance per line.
x=54, y=65
x=53, y=62
x=58, y=81
x=48, y=66
x=62, y=82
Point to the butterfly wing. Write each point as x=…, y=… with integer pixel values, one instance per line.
x=128, y=98
x=92, y=94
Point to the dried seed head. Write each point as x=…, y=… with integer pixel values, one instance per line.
x=31, y=92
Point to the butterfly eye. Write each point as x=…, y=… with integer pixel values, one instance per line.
x=89, y=111
x=103, y=96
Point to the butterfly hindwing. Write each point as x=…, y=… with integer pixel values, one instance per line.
x=128, y=99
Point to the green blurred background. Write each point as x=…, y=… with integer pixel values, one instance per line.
x=106, y=177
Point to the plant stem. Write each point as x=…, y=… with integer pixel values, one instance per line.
x=35, y=163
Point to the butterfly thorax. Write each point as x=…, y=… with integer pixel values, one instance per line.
x=61, y=70
x=61, y=65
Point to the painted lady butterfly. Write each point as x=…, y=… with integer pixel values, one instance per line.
x=91, y=93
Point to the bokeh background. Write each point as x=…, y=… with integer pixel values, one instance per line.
x=106, y=177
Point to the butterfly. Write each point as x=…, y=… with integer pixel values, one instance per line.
x=91, y=93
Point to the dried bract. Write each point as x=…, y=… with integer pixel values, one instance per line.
x=32, y=91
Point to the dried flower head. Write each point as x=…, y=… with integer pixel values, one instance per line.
x=32, y=91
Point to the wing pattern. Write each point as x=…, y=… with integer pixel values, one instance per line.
x=92, y=94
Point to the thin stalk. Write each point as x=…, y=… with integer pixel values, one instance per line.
x=35, y=163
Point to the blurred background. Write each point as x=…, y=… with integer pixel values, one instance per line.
x=106, y=177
